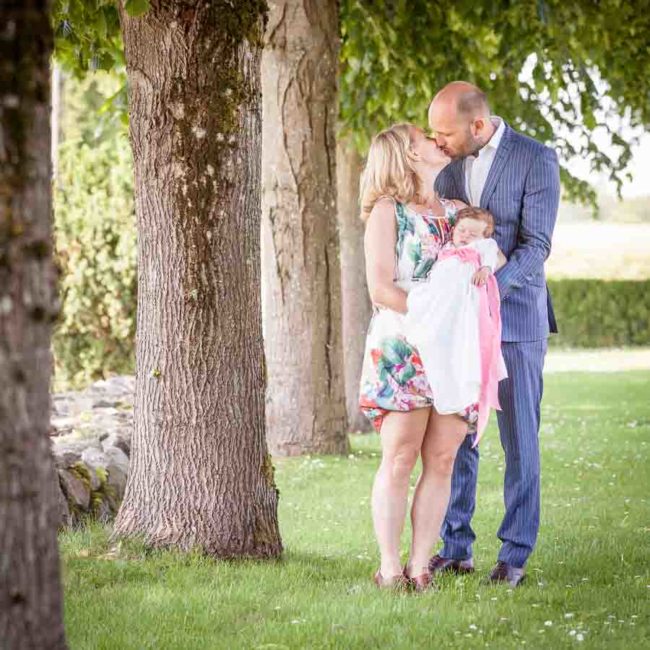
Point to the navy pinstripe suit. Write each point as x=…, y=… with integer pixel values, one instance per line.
x=522, y=192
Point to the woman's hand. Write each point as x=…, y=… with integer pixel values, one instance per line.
x=480, y=277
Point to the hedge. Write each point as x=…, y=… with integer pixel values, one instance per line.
x=601, y=313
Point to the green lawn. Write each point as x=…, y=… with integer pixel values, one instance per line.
x=588, y=584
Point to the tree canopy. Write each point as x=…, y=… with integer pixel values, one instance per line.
x=558, y=71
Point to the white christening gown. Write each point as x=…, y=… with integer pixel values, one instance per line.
x=443, y=323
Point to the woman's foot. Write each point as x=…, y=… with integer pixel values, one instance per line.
x=421, y=582
x=398, y=582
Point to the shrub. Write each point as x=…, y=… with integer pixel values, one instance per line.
x=601, y=313
x=96, y=252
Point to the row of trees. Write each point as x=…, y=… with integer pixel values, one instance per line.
x=201, y=475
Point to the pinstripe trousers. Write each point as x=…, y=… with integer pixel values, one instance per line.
x=520, y=396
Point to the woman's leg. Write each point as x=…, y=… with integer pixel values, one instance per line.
x=443, y=437
x=401, y=440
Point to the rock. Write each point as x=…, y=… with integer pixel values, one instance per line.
x=65, y=457
x=91, y=434
x=61, y=507
x=76, y=491
x=103, y=510
x=116, y=439
x=106, y=404
x=118, y=470
x=95, y=460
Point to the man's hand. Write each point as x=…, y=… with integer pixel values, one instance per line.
x=480, y=277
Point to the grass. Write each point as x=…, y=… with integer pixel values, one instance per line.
x=588, y=581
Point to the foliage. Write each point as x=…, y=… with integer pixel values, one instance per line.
x=95, y=239
x=87, y=34
x=556, y=70
x=599, y=313
x=550, y=68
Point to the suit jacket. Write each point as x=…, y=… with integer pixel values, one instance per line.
x=522, y=191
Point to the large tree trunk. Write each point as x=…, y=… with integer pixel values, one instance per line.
x=200, y=473
x=305, y=407
x=31, y=613
x=357, y=309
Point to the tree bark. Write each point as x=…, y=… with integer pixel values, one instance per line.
x=357, y=309
x=31, y=613
x=200, y=474
x=305, y=407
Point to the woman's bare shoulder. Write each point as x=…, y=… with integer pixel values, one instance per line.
x=384, y=209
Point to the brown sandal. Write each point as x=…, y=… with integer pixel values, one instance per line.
x=397, y=582
x=423, y=582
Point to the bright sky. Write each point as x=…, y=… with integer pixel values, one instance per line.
x=639, y=166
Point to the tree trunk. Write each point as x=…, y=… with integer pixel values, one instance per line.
x=357, y=309
x=305, y=407
x=200, y=473
x=31, y=613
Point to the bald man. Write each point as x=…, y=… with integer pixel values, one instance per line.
x=517, y=179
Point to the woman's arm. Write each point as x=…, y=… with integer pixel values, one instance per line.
x=379, y=244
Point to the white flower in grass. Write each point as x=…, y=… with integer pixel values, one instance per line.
x=569, y=615
x=472, y=626
x=580, y=637
x=548, y=623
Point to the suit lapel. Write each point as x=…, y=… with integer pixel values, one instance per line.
x=496, y=170
x=458, y=173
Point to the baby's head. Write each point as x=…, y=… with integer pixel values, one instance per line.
x=472, y=224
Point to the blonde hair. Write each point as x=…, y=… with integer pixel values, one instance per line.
x=389, y=170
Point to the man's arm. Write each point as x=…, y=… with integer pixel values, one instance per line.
x=539, y=212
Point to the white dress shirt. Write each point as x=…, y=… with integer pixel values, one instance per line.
x=477, y=167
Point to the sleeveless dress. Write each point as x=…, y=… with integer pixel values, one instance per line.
x=392, y=376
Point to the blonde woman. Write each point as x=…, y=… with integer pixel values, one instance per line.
x=407, y=224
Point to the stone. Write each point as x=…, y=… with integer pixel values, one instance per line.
x=65, y=457
x=61, y=507
x=76, y=491
x=95, y=460
x=118, y=470
x=103, y=509
x=116, y=439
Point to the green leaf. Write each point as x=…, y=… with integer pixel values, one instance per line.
x=136, y=7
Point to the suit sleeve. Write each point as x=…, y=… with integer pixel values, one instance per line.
x=539, y=213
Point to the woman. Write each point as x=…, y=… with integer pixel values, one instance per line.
x=406, y=225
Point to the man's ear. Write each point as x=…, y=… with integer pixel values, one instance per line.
x=477, y=125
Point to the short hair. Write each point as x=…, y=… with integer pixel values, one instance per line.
x=472, y=101
x=480, y=215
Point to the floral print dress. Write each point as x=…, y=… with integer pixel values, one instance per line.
x=392, y=377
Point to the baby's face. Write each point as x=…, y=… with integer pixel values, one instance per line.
x=468, y=230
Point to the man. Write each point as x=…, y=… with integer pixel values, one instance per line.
x=517, y=179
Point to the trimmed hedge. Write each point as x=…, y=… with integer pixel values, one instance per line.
x=601, y=313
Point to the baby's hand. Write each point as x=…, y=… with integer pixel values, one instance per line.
x=480, y=277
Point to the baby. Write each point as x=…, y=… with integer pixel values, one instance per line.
x=454, y=319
